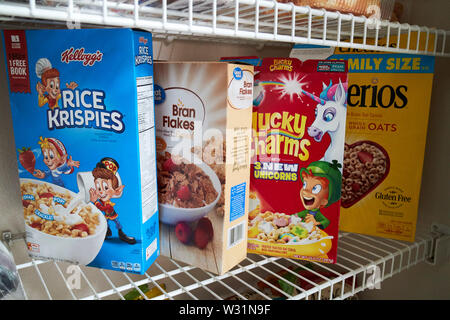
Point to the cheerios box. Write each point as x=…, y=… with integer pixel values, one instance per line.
x=298, y=130
x=83, y=117
x=203, y=121
x=388, y=107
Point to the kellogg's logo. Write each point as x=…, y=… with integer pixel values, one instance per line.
x=79, y=55
x=143, y=40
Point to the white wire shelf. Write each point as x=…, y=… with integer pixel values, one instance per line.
x=363, y=263
x=264, y=21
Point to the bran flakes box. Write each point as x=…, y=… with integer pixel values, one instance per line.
x=388, y=106
x=83, y=117
x=203, y=121
x=299, y=114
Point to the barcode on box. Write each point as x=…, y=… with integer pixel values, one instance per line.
x=236, y=234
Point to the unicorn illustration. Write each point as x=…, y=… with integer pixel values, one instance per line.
x=330, y=118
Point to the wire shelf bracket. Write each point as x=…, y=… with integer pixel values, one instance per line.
x=440, y=251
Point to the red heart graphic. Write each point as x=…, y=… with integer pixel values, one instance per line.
x=366, y=168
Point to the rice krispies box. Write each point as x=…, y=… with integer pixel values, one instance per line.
x=83, y=117
x=203, y=120
x=299, y=114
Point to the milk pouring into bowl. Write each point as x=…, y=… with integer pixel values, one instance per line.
x=85, y=182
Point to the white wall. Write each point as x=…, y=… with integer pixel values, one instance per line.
x=11, y=216
x=422, y=281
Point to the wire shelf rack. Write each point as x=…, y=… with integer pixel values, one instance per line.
x=364, y=262
x=265, y=21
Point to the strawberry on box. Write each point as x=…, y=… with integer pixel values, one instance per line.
x=27, y=159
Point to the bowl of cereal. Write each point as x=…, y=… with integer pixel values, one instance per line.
x=187, y=190
x=59, y=224
x=280, y=229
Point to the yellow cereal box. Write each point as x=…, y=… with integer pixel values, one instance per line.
x=388, y=102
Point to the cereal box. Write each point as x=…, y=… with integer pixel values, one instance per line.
x=299, y=113
x=388, y=100
x=203, y=121
x=83, y=117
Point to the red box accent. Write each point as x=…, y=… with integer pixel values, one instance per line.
x=17, y=60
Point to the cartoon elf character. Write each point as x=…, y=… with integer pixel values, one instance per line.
x=48, y=89
x=56, y=159
x=321, y=188
x=108, y=185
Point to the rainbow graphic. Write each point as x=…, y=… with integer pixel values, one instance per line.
x=285, y=133
x=271, y=83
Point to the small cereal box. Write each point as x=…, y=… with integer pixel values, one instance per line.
x=83, y=116
x=299, y=113
x=388, y=106
x=203, y=121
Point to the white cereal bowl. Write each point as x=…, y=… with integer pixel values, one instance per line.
x=171, y=215
x=75, y=250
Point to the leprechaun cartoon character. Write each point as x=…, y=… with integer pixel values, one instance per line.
x=107, y=186
x=49, y=91
x=57, y=161
x=321, y=188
